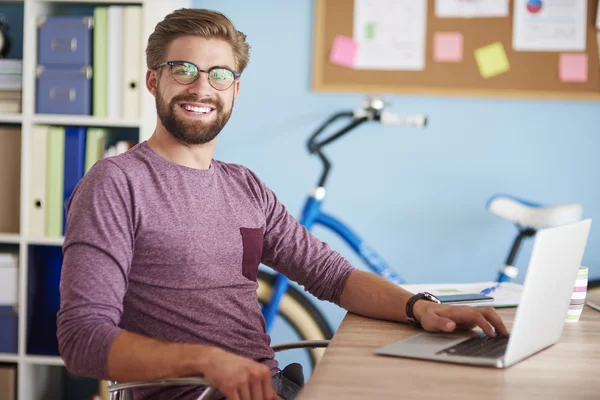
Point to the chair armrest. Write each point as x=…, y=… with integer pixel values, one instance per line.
x=197, y=380
x=114, y=387
x=303, y=344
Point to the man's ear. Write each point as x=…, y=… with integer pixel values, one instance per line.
x=151, y=81
x=236, y=89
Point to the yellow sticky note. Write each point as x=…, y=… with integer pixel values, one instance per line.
x=492, y=60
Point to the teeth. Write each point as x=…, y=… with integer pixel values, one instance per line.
x=199, y=110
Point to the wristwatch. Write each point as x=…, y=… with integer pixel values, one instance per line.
x=411, y=303
x=4, y=39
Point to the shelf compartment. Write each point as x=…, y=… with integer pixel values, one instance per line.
x=53, y=381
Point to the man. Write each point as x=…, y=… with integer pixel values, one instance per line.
x=163, y=243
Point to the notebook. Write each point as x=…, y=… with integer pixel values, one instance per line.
x=540, y=317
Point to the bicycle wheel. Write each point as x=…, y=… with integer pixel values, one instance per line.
x=298, y=311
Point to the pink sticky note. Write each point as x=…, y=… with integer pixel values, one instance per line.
x=343, y=51
x=573, y=67
x=448, y=47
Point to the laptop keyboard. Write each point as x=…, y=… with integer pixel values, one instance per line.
x=478, y=346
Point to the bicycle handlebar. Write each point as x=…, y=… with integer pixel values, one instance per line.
x=390, y=118
x=372, y=111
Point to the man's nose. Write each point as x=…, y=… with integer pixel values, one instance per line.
x=200, y=87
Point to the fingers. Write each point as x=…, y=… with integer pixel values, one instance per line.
x=483, y=323
x=261, y=384
x=435, y=323
x=496, y=321
x=251, y=382
x=244, y=391
x=448, y=318
x=269, y=390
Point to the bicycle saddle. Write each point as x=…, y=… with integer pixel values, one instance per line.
x=533, y=215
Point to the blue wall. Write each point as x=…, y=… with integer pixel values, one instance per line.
x=417, y=195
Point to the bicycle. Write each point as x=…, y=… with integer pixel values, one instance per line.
x=276, y=295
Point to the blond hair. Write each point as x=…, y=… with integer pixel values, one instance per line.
x=196, y=22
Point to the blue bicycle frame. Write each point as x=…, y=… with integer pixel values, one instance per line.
x=311, y=215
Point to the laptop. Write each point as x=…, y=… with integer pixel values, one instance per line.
x=556, y=256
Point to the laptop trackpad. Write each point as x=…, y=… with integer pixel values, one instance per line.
x=422, y=344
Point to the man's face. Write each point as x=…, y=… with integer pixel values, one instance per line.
x=194, y=113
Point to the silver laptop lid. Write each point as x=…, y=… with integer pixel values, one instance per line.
x=551, y=274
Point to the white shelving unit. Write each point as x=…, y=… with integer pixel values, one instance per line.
x=37, y=375
x=9, y=118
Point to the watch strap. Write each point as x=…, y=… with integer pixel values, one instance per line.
x=410, y=316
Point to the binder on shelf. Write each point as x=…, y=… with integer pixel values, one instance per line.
x=9, y=263
x=116, y=16
x=8, y=379
x=55, y=166
x=37, y=181
x=100, y=63
x=94, y=146
x=43, y=297
x=8, y=329
x=132, y=62
x=10, y=179
x=74, y=164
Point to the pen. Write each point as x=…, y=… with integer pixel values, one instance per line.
x=489, y=290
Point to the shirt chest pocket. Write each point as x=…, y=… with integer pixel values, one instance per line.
x=252, y=241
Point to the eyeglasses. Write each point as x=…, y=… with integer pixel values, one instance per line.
x=184, y=72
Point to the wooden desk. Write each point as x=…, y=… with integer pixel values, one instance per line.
x=349, y=370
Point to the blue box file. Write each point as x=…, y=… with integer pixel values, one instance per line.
x=65, y=40
x=8, y=329
x=64, y=90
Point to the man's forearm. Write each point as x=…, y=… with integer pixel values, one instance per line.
x=372, y=296
x=133, y=357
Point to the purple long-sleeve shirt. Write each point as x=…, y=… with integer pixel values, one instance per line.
x=172, y=253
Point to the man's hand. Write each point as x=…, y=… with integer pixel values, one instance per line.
x=446, y=318
x=239, y=378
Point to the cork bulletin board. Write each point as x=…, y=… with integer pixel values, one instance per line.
x=531, y=75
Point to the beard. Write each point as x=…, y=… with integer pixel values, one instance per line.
x=190, y=131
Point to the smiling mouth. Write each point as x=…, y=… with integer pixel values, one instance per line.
x=196, y=110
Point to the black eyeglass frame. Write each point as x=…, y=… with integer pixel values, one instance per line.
x=171, y=64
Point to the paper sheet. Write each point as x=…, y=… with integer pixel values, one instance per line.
x=390, y=34
x=507, y=295
x=471, y=8
x=551, y=25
